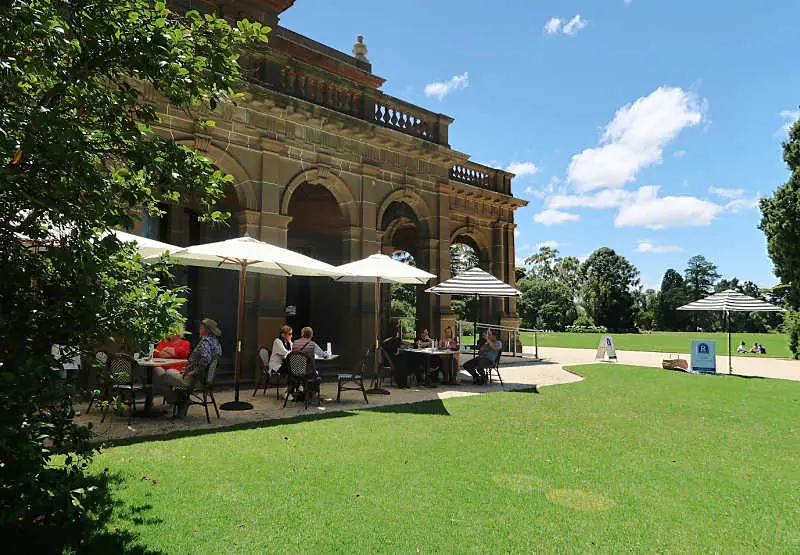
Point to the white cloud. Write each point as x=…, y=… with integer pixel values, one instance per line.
x=790, y=116
x=648, y=247
x=522, y=168
x=635, y=138
x=551, y=244
x=726, y=193
x=646, y=209
x=440, y=89
x=569, y=27
x=554, y=217
x=607, y=198
x=530, y=191
x=553, y=26
x=679, y=154
x=740, y=205
x=574, y=25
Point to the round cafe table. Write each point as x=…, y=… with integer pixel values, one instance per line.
x=149, y=364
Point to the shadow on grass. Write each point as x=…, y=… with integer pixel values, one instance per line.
x=88, y=531
x=434, y=407
x=266, y=423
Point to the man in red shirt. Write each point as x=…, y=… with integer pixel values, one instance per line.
x=175, y=346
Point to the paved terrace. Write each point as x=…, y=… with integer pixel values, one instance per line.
x=519, y=373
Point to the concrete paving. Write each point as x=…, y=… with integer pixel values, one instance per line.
x=748, y=365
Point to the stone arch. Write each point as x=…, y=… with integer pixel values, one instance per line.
x=338, y=188
x=476, y=238
x=242, y=182
x=406, y=195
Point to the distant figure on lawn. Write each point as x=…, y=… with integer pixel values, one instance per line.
x=742, y=348
x=755, y=348
x=487, y=356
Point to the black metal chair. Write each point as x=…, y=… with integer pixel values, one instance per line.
x=495, y=369
x=122, y=383
x=202, y=393
x=357, y=379
x=101, y=357
x=266, y=377
x=393, y=375
x=302, y=372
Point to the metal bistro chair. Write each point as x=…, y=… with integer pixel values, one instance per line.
x=203, y=391
x=495, y=369
x=101, y=357
x=266, y=376
x=121, y=368
x=302, y=372
x=393, y=375
x=357, y=379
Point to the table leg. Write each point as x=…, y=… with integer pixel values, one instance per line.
x=148, y=400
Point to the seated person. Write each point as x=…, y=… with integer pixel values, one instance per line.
x=754, y=348
x=424, y=340
x=306, y=345
x=206, y=350
x=761, y=349
x=174, y=346
x=487, y=356
x=451, y=344
x=281, y=347
x=392, y=345
x=742, y=348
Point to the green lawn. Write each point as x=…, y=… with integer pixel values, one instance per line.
x=776, y=344
x=631, y=459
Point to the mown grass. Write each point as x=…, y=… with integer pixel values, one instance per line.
x=631, y=459
x=776, y=344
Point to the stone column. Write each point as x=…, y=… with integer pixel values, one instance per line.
x=497, y=268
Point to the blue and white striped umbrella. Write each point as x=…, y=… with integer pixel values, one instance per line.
x=474, y=282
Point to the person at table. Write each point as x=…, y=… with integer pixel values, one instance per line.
x=281, y=347
x=392, y=346
x=451, y=344
x=206, y=350
x=487, y=356
x=424, y=340
x=306, y=344
x=174, y=346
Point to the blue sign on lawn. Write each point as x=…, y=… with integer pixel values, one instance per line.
x=704, y=356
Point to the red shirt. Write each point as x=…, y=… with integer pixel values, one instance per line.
x=182, y=349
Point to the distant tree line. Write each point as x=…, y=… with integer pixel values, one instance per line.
x=605, y=290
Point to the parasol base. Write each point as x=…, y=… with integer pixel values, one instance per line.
x=378, y=391
x=236, y=405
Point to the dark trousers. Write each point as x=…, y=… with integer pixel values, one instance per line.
x=477, y=367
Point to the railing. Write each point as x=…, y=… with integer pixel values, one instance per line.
x=508, y=335
x=470, y=176
x=400, y=116
x=481, y=176
x=320, y=91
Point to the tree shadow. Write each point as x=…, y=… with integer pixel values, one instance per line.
x=433, y=407
x=266, y=423
x=89, y=531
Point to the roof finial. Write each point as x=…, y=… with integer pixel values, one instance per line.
x=360, y=49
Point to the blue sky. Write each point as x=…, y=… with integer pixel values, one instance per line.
x=648, y=126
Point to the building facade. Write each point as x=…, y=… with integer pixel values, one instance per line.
x=328, y=165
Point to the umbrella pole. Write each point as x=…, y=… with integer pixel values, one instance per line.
x=475, y=326
x=376, y=388
x=730, y=355
x=236, y=404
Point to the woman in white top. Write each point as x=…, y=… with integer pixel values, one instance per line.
x=281, y=347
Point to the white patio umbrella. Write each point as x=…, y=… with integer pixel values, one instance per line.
x=375, y=269
x=246, y=254
x=148, y=248
x=474, y=282
x=730, y=301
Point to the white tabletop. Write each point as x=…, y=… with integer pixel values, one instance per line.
x=331, y=357
x=160, y=361
x=430, y=351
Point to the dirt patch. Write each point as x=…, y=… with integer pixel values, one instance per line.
x=580, y=499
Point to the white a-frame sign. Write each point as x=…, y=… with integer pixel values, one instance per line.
x=606, y=349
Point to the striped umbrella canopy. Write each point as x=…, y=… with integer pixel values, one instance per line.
x=730, y=301
x=474, y=282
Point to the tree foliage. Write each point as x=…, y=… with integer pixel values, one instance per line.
x=780, y=220
x=699, y=277
x=546, y=304
x=671, y=295
x=78, y=156
x=609, y=285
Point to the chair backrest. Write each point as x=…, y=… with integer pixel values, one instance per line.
x=365, y=362
x=388, y=357
x=263, y=356
x=102, y=357
x=299, y=364
x=120, y=368
x=211, y=371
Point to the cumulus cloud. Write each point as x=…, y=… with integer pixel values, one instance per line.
x=646, y=209
x=635, y=138
x=607, y=198
x=554, y=217
x=569, y=27
x=740, y=205
x=789, y=116
x=522, y=168
x=440, y=89
x=648, y=247
x=726, y=193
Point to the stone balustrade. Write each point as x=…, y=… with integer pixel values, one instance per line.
x=482, y=176
x=398, y=115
